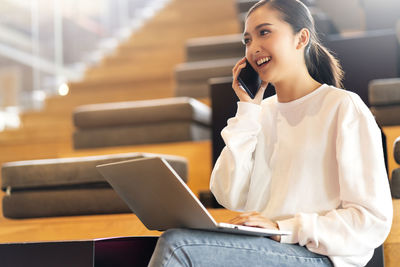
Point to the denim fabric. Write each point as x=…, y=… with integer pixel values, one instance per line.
x=183, y=247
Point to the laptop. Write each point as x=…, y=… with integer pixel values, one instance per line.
x=162, y=200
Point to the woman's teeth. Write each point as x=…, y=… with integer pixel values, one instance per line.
x=263, y=60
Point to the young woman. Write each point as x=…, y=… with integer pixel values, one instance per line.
x=308, y=160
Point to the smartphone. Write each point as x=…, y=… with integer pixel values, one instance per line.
x=250, y=81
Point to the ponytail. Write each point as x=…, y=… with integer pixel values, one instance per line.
x=321, y=64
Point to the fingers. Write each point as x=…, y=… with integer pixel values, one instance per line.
x=242, y=218
x=235, y=73
x=254, y=219
x=259, y=222
x=241, y=94
x=239, y=65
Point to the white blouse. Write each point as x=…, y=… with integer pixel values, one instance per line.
x=316, y=166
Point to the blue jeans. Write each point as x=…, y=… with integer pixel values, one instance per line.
x=183, y=247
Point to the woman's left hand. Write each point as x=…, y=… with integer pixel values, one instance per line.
x=255, y=219
x=240, y=92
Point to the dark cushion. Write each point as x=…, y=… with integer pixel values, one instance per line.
x=395, y=183
x=384, y=92
x=141, y=112
x=62, y=202
x=67, y=172
x=215, y=47
x=161, y=132
x=192, y=77
x=386, y=115
x=204, y=70
x=397, y=150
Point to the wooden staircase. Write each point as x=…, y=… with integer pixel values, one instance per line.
x=141, y=68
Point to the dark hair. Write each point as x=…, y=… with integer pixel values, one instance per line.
x=320, y=62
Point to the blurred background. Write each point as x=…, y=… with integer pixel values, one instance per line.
x=46, y=43
x=62, y=58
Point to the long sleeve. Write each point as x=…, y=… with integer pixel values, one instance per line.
x=362, y=222
x=231, y=174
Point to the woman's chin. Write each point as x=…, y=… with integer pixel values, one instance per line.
x=266, y=77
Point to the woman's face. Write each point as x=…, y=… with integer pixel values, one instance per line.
x=270, y=44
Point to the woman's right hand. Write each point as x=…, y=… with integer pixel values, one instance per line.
x=240, y=92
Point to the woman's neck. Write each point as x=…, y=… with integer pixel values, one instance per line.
x=295, y=87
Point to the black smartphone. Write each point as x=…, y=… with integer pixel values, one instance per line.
x=249, y=80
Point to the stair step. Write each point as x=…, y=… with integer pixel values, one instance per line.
x=142, y=70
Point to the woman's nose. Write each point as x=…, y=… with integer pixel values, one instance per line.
x=254, y=48
x=250, y=52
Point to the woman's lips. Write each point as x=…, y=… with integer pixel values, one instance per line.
x=262, y=61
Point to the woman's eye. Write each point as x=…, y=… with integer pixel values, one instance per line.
x=246, y=41
x=264, y=32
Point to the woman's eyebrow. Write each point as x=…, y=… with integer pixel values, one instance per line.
x=258, y=27
x=262, y=25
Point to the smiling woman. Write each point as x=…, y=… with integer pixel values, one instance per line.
x=308, y=160
x=286, y=16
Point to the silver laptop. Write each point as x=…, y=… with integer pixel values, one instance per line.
x=161, y=200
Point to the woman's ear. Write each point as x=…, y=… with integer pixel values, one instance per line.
x=303, y=37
